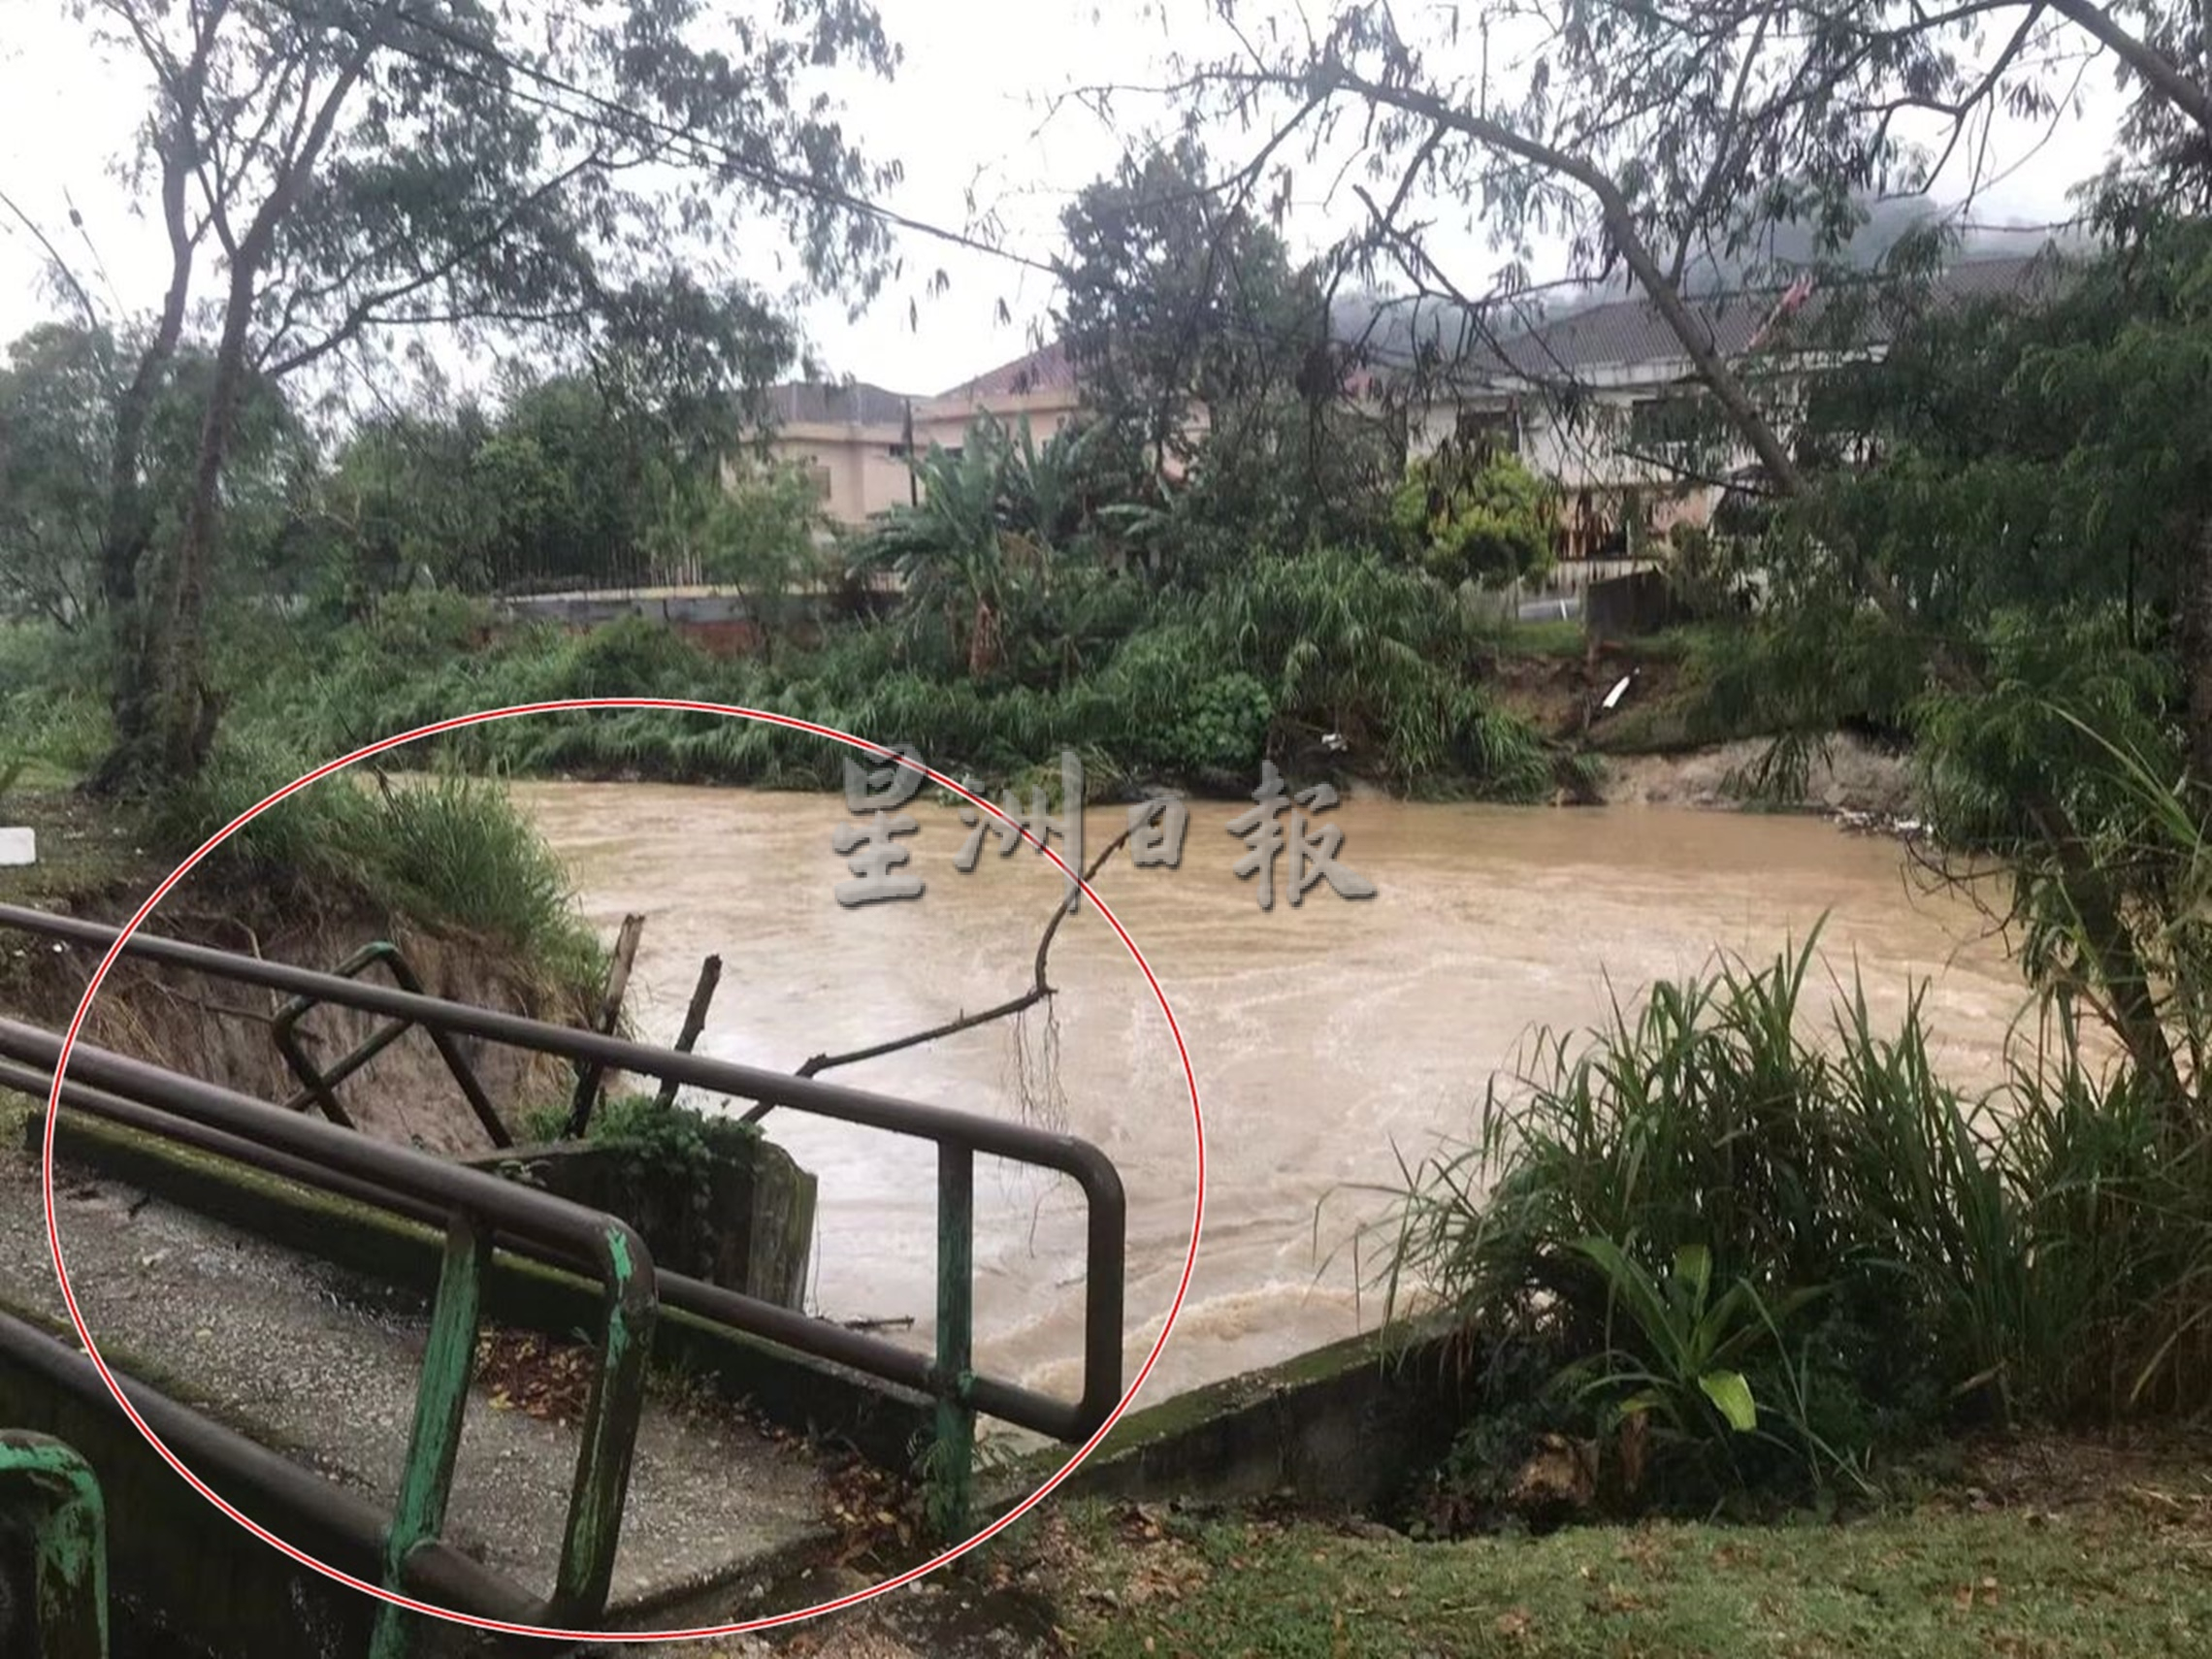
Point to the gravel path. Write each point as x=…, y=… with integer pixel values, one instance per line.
x=321, y=1367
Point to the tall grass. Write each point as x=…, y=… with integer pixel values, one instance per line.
x=2035, y=1253
x=54, y=714
x=447, y=853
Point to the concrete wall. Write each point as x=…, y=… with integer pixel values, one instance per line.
x=717, y=620
x=751, y=1231
x=864, y=471
x=1349, y=1426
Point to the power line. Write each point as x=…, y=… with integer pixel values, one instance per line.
x=710, y=149
x=607, y=114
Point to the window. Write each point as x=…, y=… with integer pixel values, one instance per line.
x=1485, y=433
x=1672, y=422
x=819, y=476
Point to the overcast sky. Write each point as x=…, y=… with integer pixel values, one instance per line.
x=966, y=109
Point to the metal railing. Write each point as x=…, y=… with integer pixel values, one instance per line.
x=474, y=1207
x=319, y=1087
x=948, y=1376
x=318, y=1514
x=50, y=1508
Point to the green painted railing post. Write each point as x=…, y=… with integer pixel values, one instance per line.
x=69, y=1543
x=952, y=1459
x=610, y=1432
x=442, y=1401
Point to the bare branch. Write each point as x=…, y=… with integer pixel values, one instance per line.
x=1040, y=990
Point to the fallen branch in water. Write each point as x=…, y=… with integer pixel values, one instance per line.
x=1040, y=991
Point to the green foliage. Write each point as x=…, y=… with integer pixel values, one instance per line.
x=1213, y=364
x=1175, y=294
x=1223, y=726
x=53, y=396
x=992, y=560
x=2039, y=451
x=1486, y=521
x=447, y=853
x=1695, y=1342
x=57, y=411
x=668, y=1138
x=1147, y=686
x=52, y=718
x=752, y=528
x=569, y=482
x=1890, y=1253
x=665, y=1159
x=1347, y=645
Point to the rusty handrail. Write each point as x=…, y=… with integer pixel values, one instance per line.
x=1087, y=1167
x=319, y=1087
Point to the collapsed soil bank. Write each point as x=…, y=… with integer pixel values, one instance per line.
x=1658, y=746
x=1844, y=774
x=224, y=1032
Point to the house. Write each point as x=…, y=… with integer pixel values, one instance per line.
x=1602, y=401
x=856, y=439
x=851, y=438
x=1605, y=404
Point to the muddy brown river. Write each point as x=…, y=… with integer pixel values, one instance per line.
x=1331, y=1040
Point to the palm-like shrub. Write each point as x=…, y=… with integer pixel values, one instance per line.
x=979, y=552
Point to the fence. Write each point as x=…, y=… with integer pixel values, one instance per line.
x=355, y=1165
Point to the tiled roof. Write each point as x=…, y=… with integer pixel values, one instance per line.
x=1044, y=370
x=818, y=402
x=1625, y=333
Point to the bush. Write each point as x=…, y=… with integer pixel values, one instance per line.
x=1144, y=686
x=1464, y=520
x=1702, y=1197
x=54, y=712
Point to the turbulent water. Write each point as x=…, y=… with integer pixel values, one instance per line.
x=1331, y=1040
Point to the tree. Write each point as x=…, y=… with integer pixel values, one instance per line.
x=400, y=504
x=754, y=531
x=1474, y=518
x=1193, y=331
x=1175, y=295
x=360, y=174
x=979, y=554
x=57, y=422
x=1651, y=134
x=54, y=415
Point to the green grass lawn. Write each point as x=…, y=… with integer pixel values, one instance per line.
x=2131, y=1574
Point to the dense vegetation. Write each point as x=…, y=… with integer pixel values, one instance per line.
x=1736, y=1247
x=1174, y=605
x=1727, y=1247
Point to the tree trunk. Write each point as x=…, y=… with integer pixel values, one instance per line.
x=128, y=535
x=165, y=712
x=179, y=707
